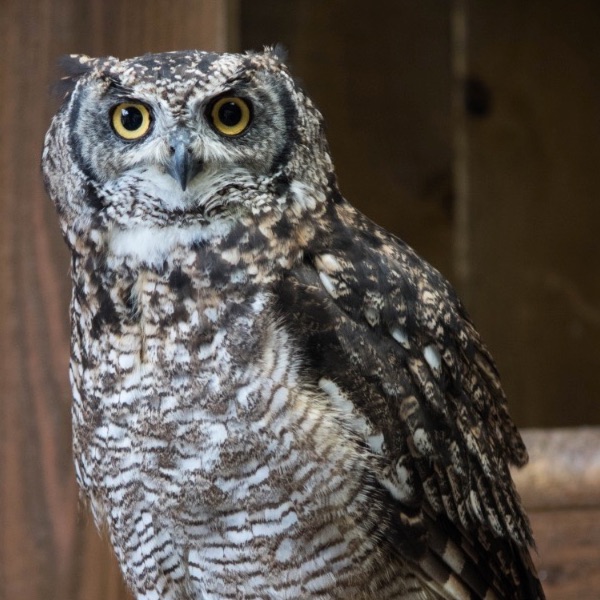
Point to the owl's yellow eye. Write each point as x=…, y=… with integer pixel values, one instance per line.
x=131, y=120
x=230, y=115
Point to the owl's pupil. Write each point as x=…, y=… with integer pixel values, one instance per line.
x=131, y=118
x=230, y=114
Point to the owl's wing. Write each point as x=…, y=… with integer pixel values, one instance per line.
x=378, y=324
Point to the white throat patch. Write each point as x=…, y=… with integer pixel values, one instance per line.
x=152, y=245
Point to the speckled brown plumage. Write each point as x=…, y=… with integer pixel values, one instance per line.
x=273, y=397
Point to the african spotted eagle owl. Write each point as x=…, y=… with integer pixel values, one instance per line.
x=272, y=396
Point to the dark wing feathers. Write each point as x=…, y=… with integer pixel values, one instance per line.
x=388, y=328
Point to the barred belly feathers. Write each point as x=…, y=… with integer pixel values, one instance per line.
x=273, y=397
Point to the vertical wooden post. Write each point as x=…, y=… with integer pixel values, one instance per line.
x=48, y=548
x=527, y=160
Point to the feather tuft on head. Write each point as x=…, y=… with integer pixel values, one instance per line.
x=73, y=67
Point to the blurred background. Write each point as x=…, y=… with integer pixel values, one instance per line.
x=470, y=129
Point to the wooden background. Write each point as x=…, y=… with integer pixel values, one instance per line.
x=469, y=128
x=472, y=130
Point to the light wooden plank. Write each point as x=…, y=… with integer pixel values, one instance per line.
x=563, y=470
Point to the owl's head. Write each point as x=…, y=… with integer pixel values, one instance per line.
x=185, y=141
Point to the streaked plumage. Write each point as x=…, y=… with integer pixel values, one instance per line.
x=273, y=397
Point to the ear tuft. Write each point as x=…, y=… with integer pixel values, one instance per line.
x=72, y=66
x=279, y=52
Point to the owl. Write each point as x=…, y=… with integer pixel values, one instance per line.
x=273, y=397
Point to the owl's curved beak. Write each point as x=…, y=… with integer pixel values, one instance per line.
x=183, y=166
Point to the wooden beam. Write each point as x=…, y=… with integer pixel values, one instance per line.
x=563, y=470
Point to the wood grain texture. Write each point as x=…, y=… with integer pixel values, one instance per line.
x=531, y=203
x=49, y=549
